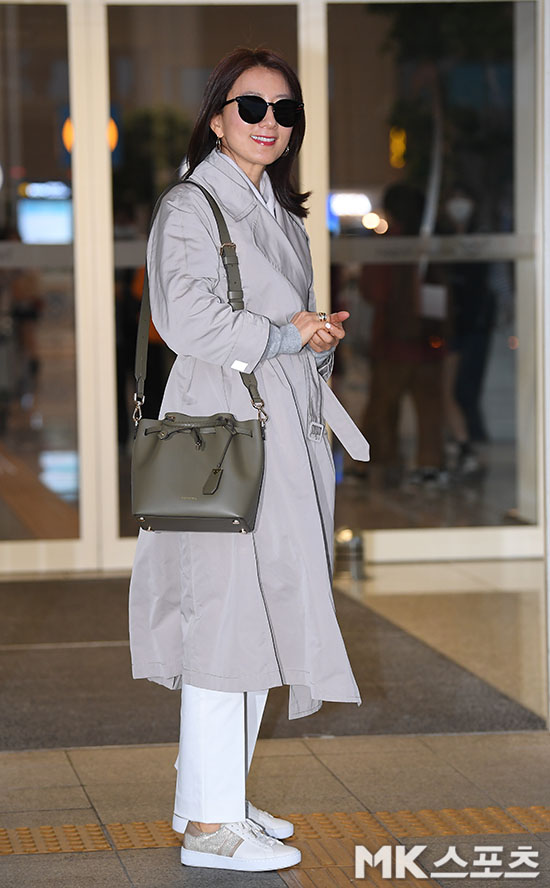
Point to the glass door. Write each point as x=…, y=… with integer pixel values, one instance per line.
x=431, y=214
x=96, y=103
x=39, y=446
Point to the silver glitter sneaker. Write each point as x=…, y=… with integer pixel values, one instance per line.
x=236, y=846
x=273, y=826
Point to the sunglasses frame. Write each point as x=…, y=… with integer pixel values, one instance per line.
x=298, y=110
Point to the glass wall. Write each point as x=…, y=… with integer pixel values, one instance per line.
x=431, y=215
x=39, y=487
x=160, y=60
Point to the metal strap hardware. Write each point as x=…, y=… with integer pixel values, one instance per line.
x=139, y=401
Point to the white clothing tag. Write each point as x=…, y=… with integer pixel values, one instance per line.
x=239, y=365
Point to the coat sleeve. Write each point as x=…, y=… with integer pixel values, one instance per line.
x=184, y=271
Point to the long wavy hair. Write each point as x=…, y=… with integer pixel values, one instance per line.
x=221, y=80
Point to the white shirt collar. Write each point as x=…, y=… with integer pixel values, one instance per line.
x=265, y=193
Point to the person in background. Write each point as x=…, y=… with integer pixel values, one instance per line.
x=473, y=315
x=406, y=353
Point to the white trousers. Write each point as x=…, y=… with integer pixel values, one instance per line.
x=218, y=732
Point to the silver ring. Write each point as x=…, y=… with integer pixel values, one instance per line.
x=322, y=315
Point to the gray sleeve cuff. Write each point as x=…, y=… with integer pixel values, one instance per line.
x=285, y=340
x=324, y=361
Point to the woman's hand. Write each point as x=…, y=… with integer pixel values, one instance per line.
x=315, y=332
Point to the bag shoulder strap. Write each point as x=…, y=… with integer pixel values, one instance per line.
x=228, y=253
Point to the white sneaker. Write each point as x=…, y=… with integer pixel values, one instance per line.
x=236, y=846
x=273, y=826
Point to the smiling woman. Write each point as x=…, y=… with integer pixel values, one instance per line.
x=254, y=144
x=226, y=616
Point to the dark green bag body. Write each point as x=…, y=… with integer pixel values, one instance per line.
x=197, y=473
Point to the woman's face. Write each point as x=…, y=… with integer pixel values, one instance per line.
x=253, y=146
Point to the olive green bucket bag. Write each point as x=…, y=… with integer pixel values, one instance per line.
x=197, y=473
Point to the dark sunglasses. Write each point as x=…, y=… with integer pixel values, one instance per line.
x=252, y=109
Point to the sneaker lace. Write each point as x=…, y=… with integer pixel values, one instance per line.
x=258, y=832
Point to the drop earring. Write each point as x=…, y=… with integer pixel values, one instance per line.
x=286, y=151
x=218, y=144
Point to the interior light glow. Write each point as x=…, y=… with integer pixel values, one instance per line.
x=344, y=535
x=59, y=471
x=112, y=134
x=345, y=203
x=370, y=220
x=44, y=190
x=67, y=134
x=398, y=147
x=382, y=227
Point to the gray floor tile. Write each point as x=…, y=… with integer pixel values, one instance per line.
x=37, y=767
x=76, y=816
x=126, y=802
x=284, y=766
x=43, y=798
x=495, y=740
x=100, y=869
x=291, y=746
x=509, y=768
x=390, y=783
x=161, y=868
x=124, y=764
x=376, y=745
x=297, y=784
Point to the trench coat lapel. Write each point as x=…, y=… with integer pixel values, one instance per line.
x=284, y=245
x=282, y=242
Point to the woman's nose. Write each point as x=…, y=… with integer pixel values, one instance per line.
x=269, y=118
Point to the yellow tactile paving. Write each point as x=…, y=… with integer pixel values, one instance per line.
x=327, y=843
x=451, y=822
x=153, y=834
x=326, y=839
x=535, y=819
x=53, y=839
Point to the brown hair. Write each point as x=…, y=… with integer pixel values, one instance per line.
x=221, y=80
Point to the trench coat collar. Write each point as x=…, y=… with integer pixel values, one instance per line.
x=282, y=241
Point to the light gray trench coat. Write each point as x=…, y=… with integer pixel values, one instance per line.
x=236, y=612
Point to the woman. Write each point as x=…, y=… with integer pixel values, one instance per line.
x=227, y=616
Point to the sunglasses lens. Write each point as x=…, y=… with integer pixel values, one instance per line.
x=287, y=111
x=252, y=109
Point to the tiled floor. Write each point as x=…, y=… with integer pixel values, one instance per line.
x=428, y=790
x=432, y=789
x=487, y=616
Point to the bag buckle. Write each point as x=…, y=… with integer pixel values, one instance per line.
x=139, y=400
x=259, y=405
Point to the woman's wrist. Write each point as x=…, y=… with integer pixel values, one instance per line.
x=284, y=340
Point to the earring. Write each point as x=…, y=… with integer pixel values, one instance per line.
x=218, y=144
x=286, y=151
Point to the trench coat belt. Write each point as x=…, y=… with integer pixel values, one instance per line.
x=343, y=425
